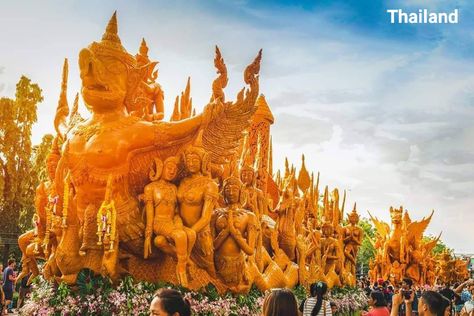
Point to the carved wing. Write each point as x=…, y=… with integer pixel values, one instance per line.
x=382, y=228
x=415, y=230
x=221, y=136
x=431, y=244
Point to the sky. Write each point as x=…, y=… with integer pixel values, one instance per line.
x=382, y=110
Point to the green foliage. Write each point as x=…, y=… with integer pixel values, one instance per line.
x=366, y=250
x=62, y=293
x=16, y=121
x=300, y=292
x=251, y=299
x=88, y=283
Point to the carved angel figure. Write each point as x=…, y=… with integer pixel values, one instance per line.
x=162, y=217
x=197, y=196
x=234, y=231
x=352, y=238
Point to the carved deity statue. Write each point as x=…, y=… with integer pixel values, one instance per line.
x=352, y=238
x=330, y=254
x=286, y=210
x=163, y=219
x=197, y=197
x=234, y=230
x=41, y=241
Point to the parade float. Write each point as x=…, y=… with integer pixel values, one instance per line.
x=190, y=202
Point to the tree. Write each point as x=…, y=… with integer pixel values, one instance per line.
x=366, y=250
x=17, y=193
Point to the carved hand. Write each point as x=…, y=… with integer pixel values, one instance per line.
x=147, y=247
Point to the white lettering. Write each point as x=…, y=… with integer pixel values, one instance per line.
x=423, y=16
x=453, y=17
x=392, y=15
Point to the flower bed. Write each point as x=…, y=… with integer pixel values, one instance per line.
x=96, y=296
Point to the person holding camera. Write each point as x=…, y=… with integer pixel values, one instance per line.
x=408, y=297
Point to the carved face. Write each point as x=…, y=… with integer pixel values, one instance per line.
x=193, y=162
x=327, y=230
x=247, y=176
x=170, y=170
x=232, y=193
x=353, y=219
x=396, y=217
x=104, y=81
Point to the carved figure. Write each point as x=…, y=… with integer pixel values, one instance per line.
x=162, y=217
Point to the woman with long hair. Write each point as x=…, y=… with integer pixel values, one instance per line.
x=378, y=304
x=169, y=302
x=316, y=304
x=280, y=302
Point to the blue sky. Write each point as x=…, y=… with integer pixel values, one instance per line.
x=382, y=110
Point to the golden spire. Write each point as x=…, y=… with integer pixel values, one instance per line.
x=287, y=168
x=176, y=115
x=143, y=48
x=316, y=195
x=263, y=112
x=343, y=204
x=270, y=158
x=111, y=33
x=186, y=102
x=62, y=110
x=303, y=177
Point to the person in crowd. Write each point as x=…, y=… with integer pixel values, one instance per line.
x=169, y=302
x=447, y=292
x=447, y=307
x=8, y=284
x=25, y=289
x=377, y=304
x=316, y=304
x=2, y=296
x=406, y=290
x=432, y=303
x=333, y=308
x=466, y=292
x=458, y=303
x=280, y=302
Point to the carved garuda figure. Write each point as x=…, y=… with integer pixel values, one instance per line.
x=116, y=147
x=401, y=243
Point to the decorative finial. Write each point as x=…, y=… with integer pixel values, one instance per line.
x=143, y=48
x=62, y=110
x=111, y=32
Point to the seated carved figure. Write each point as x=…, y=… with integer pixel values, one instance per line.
x=40, y=242
x=162, y=217
x=235, y=231
x=197, y=196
